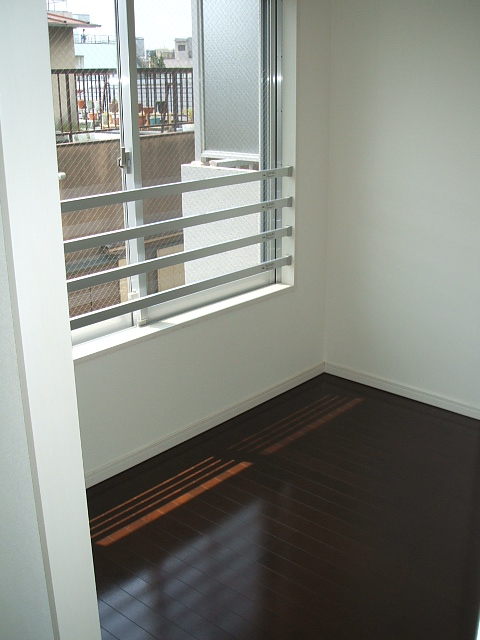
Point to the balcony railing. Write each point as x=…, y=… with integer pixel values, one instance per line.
x=80, y=38
x=87, y=100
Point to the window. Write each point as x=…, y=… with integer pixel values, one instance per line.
x=171, y=197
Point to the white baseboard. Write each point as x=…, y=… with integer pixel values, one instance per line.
x=130, y=460
x=403, y=390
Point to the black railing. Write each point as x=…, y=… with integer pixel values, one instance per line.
x=87, y=100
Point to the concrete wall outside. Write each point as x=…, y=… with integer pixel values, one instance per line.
x=62, y=48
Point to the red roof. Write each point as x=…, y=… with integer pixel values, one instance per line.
x=60, y=19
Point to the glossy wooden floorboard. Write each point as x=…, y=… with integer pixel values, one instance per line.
x=333, y=511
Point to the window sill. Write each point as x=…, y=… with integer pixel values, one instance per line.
x=120, y=339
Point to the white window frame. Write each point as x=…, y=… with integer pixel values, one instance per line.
x=136, y=313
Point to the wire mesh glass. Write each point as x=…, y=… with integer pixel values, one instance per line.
x=205, y=50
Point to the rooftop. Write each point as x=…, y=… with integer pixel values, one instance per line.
x=66, y=19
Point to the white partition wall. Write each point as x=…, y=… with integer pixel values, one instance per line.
x=19, y=529
x=47, y=583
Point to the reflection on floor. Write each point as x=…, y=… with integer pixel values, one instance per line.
x=333, y=511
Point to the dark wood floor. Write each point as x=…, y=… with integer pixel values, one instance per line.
x=334, y=511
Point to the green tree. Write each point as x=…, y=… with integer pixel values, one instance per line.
x=156, y=61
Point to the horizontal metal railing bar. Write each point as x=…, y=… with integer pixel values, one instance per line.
x=174, y=188
x=165, y=226
x=113, y=71
x=110, y=275
x=171, y=294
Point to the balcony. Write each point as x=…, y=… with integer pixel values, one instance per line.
x=86, y=108
x=86, y=102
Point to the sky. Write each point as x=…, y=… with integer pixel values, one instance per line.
x=158, y=21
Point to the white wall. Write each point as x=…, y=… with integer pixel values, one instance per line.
x=46, y=567
x=404, y=223
x=154, y=392
x=19, y=530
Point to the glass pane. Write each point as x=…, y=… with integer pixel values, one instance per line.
x=166, y=116
x=174, y=135
x=229, y=62
x=82, y=263
x=207, y=52
x=83, y=60
x=83, y=57
x=223, y=231
x=231, y=67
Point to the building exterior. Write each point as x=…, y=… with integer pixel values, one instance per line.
x=61, y=25
x=183, y=56
x=96, y=51
x=60, y=30
x=161, y=53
